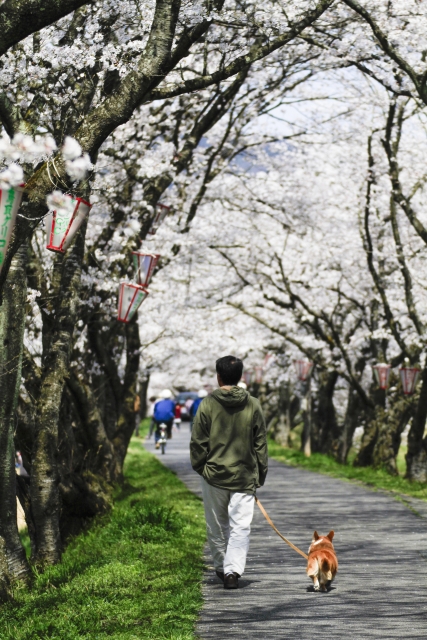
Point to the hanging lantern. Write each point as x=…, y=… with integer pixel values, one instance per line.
x=10, y=199
x=247, y=377
x=62, y=226
x=161, y=212
x=131, y=296
x=258, y=375
x=303, y=369
x=144, y=266
x=382, y=375
x=268, y=360
x=409, y=377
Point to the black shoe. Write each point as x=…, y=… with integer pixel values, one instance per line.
x=231, y=581
x=220, y=575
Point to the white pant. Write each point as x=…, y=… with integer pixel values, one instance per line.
x=228, y=522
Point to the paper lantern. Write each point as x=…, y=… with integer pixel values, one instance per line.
x=258, y=375
x=10, y=199
x=161, y=212
x=382, y=375
x=62, y=226
x=269, y=360
x=144, y=266
x=131, y=296
x=409, y=377
x=303, y=369
x=247, y=377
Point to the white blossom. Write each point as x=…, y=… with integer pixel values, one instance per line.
x=11, y=177
x=71, y=149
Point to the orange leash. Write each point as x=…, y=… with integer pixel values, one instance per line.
x=272, y=525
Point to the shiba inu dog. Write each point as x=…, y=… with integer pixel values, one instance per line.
x=322, y=563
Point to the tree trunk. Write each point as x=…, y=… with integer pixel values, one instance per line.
x=143, y=391
x=307, y=416
x=325, y=414
x=283, y=424
x=352, y=418
x=365, y=456
x=100, y=446
x=45, y=501
x=4, y=573
x=126, y=421
x=416, y=458
x=12, y=324
x=390, y=428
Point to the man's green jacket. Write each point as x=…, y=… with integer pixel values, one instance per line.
x=228, y=442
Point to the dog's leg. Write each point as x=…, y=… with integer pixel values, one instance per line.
x=313, y=572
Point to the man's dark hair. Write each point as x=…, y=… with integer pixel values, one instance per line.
x=230, y=369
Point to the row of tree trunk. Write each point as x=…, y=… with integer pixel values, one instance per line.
x=384, y=420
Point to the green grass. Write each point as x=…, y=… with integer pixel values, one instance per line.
x=135, y=574
x=376, y=478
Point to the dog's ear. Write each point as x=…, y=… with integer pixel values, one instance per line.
x=331, y=535
x=315, y=536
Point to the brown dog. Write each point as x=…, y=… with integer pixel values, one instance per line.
x=322, y=563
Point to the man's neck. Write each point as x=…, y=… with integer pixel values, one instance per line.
x=226, y=387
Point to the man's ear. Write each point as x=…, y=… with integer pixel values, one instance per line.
x=330, y=535
x=315, y=536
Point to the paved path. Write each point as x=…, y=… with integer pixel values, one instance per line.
x=381, y=587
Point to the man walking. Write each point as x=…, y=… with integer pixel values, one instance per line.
x=229, y=450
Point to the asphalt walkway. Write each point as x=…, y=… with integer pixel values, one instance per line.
x=381, y=587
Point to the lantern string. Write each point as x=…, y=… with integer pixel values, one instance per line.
x=58, y=175
x=20, y=215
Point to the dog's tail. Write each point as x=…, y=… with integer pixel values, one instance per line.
x=326, y=569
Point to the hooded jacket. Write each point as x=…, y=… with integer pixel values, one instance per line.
x=228, y=442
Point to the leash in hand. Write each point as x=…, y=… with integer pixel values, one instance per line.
x=272, y=525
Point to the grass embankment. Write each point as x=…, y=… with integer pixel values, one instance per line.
x=376, y=478
x=135, y=574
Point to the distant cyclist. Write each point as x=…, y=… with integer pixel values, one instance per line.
x=202, y=393
x=164, y=411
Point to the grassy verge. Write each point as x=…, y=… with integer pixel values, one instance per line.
x=135, y=574
x=376, y=478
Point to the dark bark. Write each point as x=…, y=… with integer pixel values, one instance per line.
x=284, y=422
x=4, y=573
x=307, y=415
x=12, y=324
x=390, y=425
x=324, y=418
x=126, y=421
x=45, y=501
x=85, y=402
x=21, y=18
x=352, y=419
x=143, y=391
x=416, y=457
x=370, y=435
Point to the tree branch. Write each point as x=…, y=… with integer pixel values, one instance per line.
x=21, y=18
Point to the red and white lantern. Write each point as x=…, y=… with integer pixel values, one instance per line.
x=247, y=377
x=144, y=266
x=259, y=371
x=409, y=377
x=303, y=369
x=10, y=199
x=382, y=375
x=62, y=226
x=131, y=296
x=161, y=212
x=269, y=360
